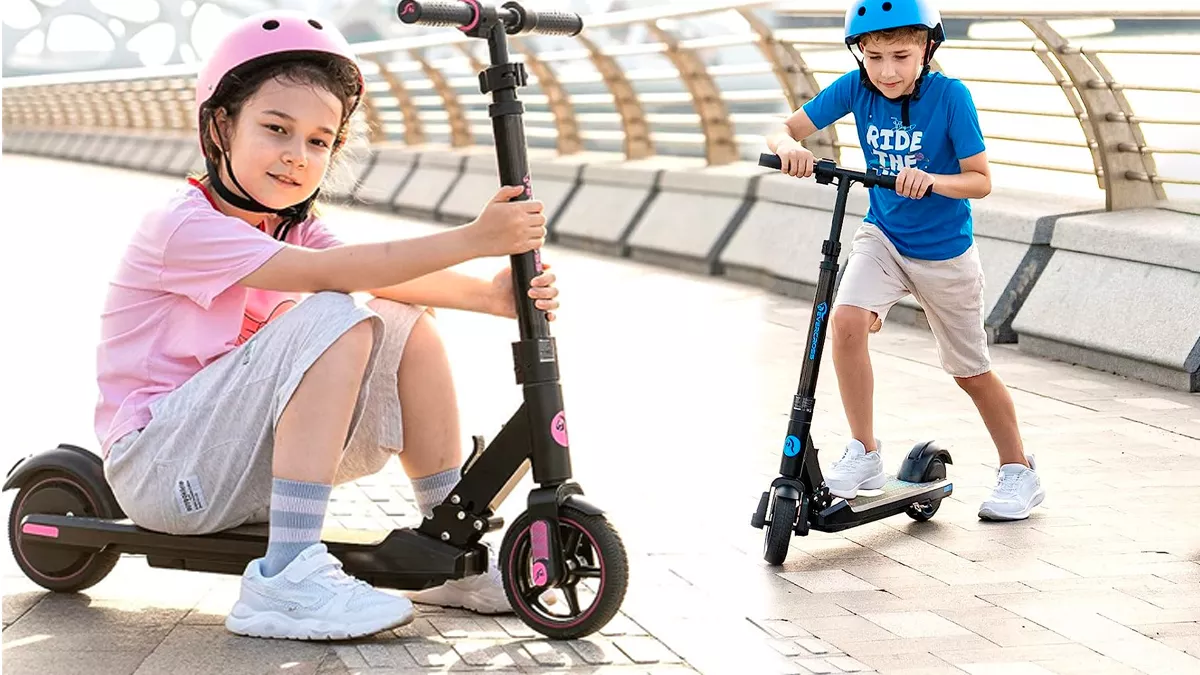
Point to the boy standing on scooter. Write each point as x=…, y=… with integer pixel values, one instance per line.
x=921, y=127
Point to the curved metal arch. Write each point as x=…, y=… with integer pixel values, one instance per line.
x=1072, y=96
x=565, y=123
x=795, y=78
x=460, y=130
x=1110, y=123
x=637, y=143
x=414, y=127
x=719, y=144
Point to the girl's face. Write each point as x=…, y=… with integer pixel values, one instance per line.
x=282, y=142
x=893, y=67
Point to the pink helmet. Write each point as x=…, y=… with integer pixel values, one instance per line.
x=268, y=34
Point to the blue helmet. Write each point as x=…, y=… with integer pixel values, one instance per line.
x=868, y=16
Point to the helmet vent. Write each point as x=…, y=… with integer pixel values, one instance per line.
x=271, y=25
x=315, y=24
x=862, y=11
x=887, y=6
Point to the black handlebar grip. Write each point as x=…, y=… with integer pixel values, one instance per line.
x=888, y=182
x=770, y=161
x=557, y=23
x=456, y=13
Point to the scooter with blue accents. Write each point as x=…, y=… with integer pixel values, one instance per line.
x=799, y=500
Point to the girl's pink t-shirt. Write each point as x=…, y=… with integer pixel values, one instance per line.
x=175, y=305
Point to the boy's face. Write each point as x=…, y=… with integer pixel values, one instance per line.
x=282, y=142
x=893, y=66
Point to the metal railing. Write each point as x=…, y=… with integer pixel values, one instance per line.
x=708, y=79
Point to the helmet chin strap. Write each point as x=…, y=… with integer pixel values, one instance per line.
x=289, y=216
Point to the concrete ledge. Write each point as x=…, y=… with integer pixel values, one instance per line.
x=694, y=216
x=98, y=149
x=119, y=150
x=164, y=154
x=481, y=178
x=1121, y=293
x=387, y=174
x=345, y=181
x=187, y=159
x=478, y=182
x=556, y=181
x=146, y=152
x=41, y=143
x=431, y=179
x=58, y=145
x=610, y=201
x=86, y=146
x=778, y=245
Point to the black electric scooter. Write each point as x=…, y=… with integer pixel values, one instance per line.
x=799, y=500
x=67, y=530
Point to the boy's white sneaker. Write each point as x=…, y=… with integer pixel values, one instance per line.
x=856, y=470
x=313, y=599
x=1018, y=491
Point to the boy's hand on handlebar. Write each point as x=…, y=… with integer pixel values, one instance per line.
x=795, y=159
x=913, y=183
x=504, y=227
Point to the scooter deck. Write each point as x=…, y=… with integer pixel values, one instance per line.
x=896, y=490
x=401, y=559
x=894, y=498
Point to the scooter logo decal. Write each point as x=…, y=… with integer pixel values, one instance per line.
x=822, y=310
x=409, y=8
x=558, y=428
x=539, y=574
x=791, y=447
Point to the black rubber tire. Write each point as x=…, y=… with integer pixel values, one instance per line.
x=779, y=531
x=613, y=565
x=923, y=511
x=57, y=493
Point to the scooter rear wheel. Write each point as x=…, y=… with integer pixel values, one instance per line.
x=597, y=574
x=923, y=511
x=53, y=567
x=779, y=531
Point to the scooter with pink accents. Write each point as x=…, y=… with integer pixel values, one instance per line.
x=564, y=566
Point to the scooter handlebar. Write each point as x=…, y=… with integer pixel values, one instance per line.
x=456, y=13
x=827, y=169
x=543, y=22
x=466, y=14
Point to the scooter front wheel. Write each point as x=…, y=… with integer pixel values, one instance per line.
x=56, y=568
x=593, y=588
x=779, y=530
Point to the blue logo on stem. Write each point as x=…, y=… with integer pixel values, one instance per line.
x=792, y=446
x=822, y=310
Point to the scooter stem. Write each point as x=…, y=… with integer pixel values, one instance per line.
x=800, y=423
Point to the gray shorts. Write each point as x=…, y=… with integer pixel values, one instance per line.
x=950, y=291
x=203, y=464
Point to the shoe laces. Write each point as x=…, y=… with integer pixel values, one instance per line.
x=332, y=573
x=1006, y=483
x=848, y=459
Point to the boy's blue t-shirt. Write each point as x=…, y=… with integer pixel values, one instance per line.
x=943, y=129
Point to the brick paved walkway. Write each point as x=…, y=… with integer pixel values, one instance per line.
x=677, y=390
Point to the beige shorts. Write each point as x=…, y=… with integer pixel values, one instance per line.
x=950, y=291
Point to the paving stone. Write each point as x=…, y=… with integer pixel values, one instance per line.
x=210, y=649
